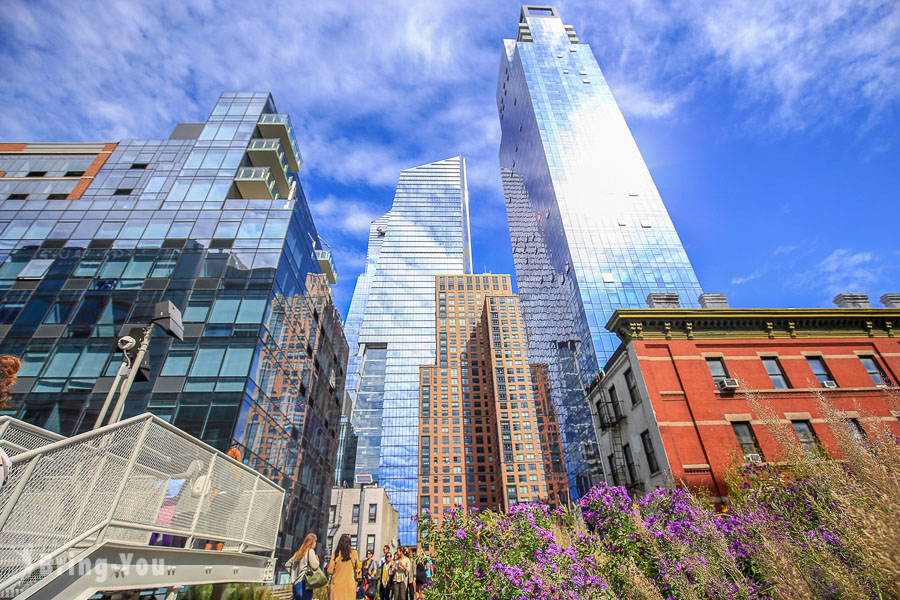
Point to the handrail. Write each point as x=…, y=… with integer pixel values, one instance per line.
x=119, y=482
x=47, y=558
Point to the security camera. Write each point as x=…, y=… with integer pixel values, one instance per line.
x=126, y=342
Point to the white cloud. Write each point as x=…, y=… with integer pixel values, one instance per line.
x=791, y=64
x=744, y=279
x=788, y=249
x=343, y=216
x=850, y=271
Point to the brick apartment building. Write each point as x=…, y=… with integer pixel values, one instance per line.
x=671, y=404
x=487, y=433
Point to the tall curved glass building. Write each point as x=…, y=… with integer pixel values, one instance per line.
x=390, y=326
x=590, y=233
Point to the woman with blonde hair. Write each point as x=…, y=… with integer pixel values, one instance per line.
x=9, y=366
x=342, y=569
x=304, y=560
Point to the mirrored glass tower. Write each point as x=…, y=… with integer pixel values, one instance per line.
x=390, y=326
x=213, y=219
x=590, y=233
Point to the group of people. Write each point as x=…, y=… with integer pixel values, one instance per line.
x=401, y=575
x=393, y=576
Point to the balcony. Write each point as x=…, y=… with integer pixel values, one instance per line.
x=327, y=266
x=256, y=182
x=270, y=153
x=279, y=126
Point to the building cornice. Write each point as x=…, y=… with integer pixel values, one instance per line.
x=754, y=323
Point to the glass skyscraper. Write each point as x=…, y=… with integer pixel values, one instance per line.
x=213, y=219
x=390, y=326
x=590, y=233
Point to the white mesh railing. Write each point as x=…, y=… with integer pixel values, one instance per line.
x=17, y=437
x=141, y=481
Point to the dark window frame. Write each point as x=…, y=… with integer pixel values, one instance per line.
x=809, y=442
x=749, y=444
x=768, y=361
x=631, y=384
x=825, y=375
x=710, y=360
x=650, y=452
x=877, y=373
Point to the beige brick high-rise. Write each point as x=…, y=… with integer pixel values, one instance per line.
x=484, y=423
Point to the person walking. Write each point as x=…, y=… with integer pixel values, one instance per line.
x=400, y=575
x=384, y=579
x=369, y=573
x=411, y=574
x=421, y=577
x=299, y=564
x=342, y=570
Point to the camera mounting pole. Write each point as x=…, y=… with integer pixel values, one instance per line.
x=132, y=373
x=167, y=316
x=124, y=367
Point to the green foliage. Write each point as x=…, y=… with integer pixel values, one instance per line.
x=807, y=527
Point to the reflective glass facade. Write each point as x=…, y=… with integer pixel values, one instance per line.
x=589, y=230
x=214, y=220
x=390, y=326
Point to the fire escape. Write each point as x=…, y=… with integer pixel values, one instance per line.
x=613, y=422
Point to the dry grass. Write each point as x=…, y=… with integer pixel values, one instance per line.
x=856, y=491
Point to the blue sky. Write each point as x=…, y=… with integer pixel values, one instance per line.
x=770, y=126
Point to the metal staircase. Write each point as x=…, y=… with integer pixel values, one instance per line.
x=78, y=515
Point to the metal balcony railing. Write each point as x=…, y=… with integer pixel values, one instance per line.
x=256, y=182
x=128, y=484
x=327, y=265
x=280, y=124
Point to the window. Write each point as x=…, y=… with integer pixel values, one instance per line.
x=857, y=431
x=632, y=387
x=59, y=312
x=370, y=543
x=355, y=514
x=808, y=439
x=648, y=450
x=332, y=513
x=122, y=192
x=353, y=542
x=139, y=166
x=747, y=441
x=373, y=513
x=614, y=473
x=614, y=400
x=717, y=369
x=874, y=370
x=36, y=268
x=330, y=545
x=629, y=464
x=776, y=374
x=817, y=364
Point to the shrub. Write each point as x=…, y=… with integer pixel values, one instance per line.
x=807, y=527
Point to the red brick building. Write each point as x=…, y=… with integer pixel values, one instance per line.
x=485, y=425
x=671, y=405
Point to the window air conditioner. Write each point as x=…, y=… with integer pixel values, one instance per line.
x=754, y=458
x=728, y=384
x=829, y=384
